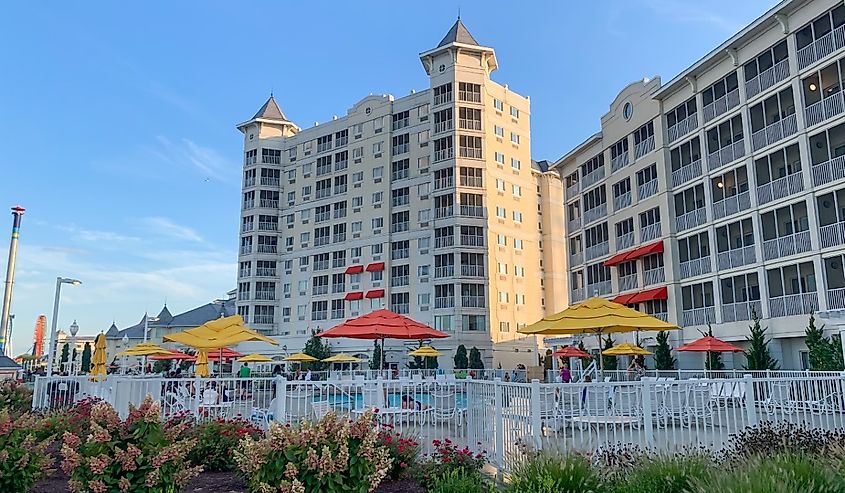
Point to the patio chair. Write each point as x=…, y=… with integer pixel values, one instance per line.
x=320, y=409
x=373, y=397
x=699, y=406
x=445, y=406
x=779, y=397
x=262, y=417
x=674, y=404
x=627, y=402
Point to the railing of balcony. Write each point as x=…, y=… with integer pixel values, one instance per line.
x=249, y=204
x=736, y=257
x=621, y=201
x=573, y=224
x=686, y=173
x=472, y=210
x=595, y=213
x=695, y=267
x=731, y=205
x=683, y=127
x=265, y=295
x=444, y=302
x=576, y=258
x=322, y=216
x=627, y=283
x=619, y=162
x=441, y=212
x=836, y=299
x=722, y=105
x=734, y=312
x=660, y=315
x=444, y=271
x=473, y=302
x=400, y=281
x=793, y=304
x=599, y=288
x=442, y=154
x=767, y=78
x=249, y=182
x=244, y=273
x=572, y=191
x=441, y=183
x=470, y=152
x=443, y=126
x=644, y=147
x=786, y=245
x=271, y=181
x=265, y=226
x=647, y=189
x=650, y=232
x=247, y=227
x=267, y=249
x=265, y=272
x=269, y=203
x=444, y=242
x=593, y=177
x=596, y=251
x=821, y=47
x=776, y=131
x=654, y=276
x=699, y=316
x=832, y=234
x=780, y=188
x=246, y=249
x=828, y=171
x=625, y=241
x=472, y=181
x=691, y=219
x=469, y=124
x=472, y=270
x=725, y=155
x=472, y=240
x=577, y=295
x=825, y=109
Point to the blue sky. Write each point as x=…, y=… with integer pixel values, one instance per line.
x=117, y=118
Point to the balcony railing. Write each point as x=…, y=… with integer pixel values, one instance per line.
x=469, y=96
x=322, y=216
x=599, y=288
x=265, y=295
x=270, y=181
x=263, y=319
x=469, y=124
x=836, y=299
x=445, y=302
x=828, y=171
x=832, y=234
x=472, y=210
x=686, y=173
x=691, y=219
x=793, y=304
x=778, y=130
x=627, y=283
x=576, y=295
x=783, y=246
x=265, y=272
x=472, y=181
x=249, y=204
x=825, y=109
x=695, y=267
x=731, y=205
x=647, y=189
x=595, y=213
x=767, y=78
x=650, y=232
x=472, y=270
x=654, y=276
x=576, y=258
x=443, y=154
x=593, y=177
x=722, y=105
x=441, y=212
x=443, y=98
x=444, y=241
x=472, y=240
x=441, y=183
x=573, y=190
x=249, y=182
x=683, y=127
x=471, y=152
x=444, y=271
x=699, y=316
x=660, y=315
x=265, y=226
x=621, y=201
x=398, y=227
x=473, y=302
x=269, y=203
x=619, y=162
x=625, y=241
x=267, y=249
x=725, y=155
x=246, y=249
x=247, y=227
x=821, y=47
x=644, y=147
x=243, y=296
x=737, y=257
x=733, y=312
x=596, y=251
x=573, y=224
x=443, y=126
x=244, y=273
x=400, y=281
x=780, y=188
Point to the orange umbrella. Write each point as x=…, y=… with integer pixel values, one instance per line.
x=571, y=352
x=709, y=344
x=381, y=325
x=223, y=353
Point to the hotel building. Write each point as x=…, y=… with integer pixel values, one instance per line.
x=428, y=205
x=722, y=192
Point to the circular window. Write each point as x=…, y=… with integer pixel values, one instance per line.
x=443, y=68
x=368, y=111
x=251, y=136
x=628, y=111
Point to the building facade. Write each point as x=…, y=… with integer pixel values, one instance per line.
x=720, y=193
x=428, y=205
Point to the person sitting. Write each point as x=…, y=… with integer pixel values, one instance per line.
x=409, y=402
x=210, y=396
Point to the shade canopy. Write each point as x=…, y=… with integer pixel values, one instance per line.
x=711, y=345
x=625, y=349
x=571, y=352
x=596, y=316
x=218, y=333
x=383, y=324
x=426, y=352
x=255, y=358
x=98, y=359
x=300, y=357
x=201, y=368
x=342, y=358
x=145, y=349
x=174, y=355
x=224, y=354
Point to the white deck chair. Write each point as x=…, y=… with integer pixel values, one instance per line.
x=779, y=398
x=445, y=406
x=372, y=397
x=320, y=409
x=298, y=405
x=674, y=404
x=627, y=402
x=263, y=416
x=699, y=405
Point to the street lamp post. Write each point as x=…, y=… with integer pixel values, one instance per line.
x=74, y=328
x=53, y=341
x=125, y=341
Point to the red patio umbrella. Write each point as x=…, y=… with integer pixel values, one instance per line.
x=174, y=355
x=381, y=325
x=571, y=352
x=709, y=344
x=224, y=354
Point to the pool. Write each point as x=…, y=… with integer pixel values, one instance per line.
x=356, y=401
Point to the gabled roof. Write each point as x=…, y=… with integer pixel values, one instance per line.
x=191, y=318
x=458, y=34
x=113, y=330
x=270, y=111
x=7, y=363
x=164, y=316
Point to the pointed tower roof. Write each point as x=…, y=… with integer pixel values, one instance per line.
x=270, y=111
x=458, y=34
x=164, y=316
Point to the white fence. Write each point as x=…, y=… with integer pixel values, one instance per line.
x=496, y=416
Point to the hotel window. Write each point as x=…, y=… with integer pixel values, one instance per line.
x=424, y=189
x=324, y=143
x=517, y=244
x=469, y=118
x=357, y=177
x=319, y=310
x=500, y=158
x=500, y=132
x=443, y=94
x=400, y=169
x=357, y=153
x=377, y=197
x=401, y=120
x=423, y=270
x=378, y=173
x=401, y=144
x=424, y=299
x=306, y=168
x=514, y=112
x=517, y=191
x=423, y=162
x=341, y=160
x=338, y=309
x=357, y=201
x=515, y=137
x=765, y=61
x=424, y=215
x=377, y=147
x=680, y=113
x=424, y=243
x=517, y=216
x=341, y=138
x=377, y=276
x=423, y=137
x=378, y=222
x=376, y=303
x=470, y=147
x=358, y=129
x=501, y=212
x=518, y=271
x=502, y=240
x=378, y=124
x=500, y=184
x=422, y=110
x=377, y=249
x=339, y=184
x=503, y=297
x=520, y=299
x=820, y=27
x=498, y=105
x=515, y=164
x=469, y=92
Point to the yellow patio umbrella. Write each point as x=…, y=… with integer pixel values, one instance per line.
x=596, y=316
x=426, y=352
x=144, y=349
x=626, y=349
x=201, y=365
x=342, y=358
x=301, y=358
x=98, y=359
x=255, y=358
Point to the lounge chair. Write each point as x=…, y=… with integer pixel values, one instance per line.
x=699, y=405
x=445, y=406
x=779, y=397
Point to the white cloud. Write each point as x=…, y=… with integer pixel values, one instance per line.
x=167, y=227
x=210, y=163
x=96, y=236
x=693, y=12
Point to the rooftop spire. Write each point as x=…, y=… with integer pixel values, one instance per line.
x=458, y=34
x=270, y=111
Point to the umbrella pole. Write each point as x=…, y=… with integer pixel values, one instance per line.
x=381, y=367
x=601, y=356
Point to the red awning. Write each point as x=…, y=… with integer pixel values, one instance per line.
x=357, y=295
x=656, y=247
x=375, y=293
x=624, y=299
x=375, y=266
x=651, y=294
x=355, y=269
x=616, y=259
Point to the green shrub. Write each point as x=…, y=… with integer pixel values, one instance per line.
x=551, y=473
x=769, y=438
x=330, y=456
x=404, y=452
x=23, y=457
x=139, y=455
x=781, y=473
x=663, y=474
x=75, y=420
x=15, y=397
x=459, y=481
x=217, y=440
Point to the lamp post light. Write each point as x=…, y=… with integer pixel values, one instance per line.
x=125, y=341
x=53, y=341
x=74, y=328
